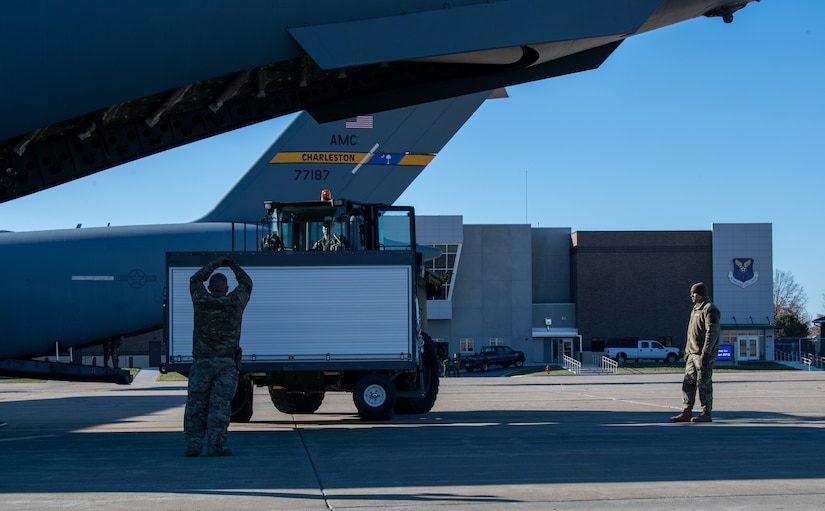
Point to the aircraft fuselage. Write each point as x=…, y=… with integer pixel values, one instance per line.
x=79, y=286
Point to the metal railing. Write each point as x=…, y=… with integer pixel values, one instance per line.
x=810, y=360
x=571, y=364
x=608, y=364
x=787, y=356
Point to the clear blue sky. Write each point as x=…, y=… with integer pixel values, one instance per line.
x=682, y=127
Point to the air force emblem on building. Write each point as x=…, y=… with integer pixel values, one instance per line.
x=743, y=273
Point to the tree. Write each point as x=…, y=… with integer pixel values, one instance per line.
x=789, y=297
x=791, y=326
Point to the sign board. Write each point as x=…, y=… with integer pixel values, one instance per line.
x=725, y=352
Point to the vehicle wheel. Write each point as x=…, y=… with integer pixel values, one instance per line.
x=429, y=374
x=374, y=397
x=484, y=367
x=295, y=402
x=671, y=358
x=621, y=358
x=241, y=405
x=519, y=363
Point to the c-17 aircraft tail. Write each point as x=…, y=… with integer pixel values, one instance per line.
x=369, y=158
x=72, y=288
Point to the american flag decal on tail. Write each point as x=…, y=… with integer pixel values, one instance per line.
x=361, y=122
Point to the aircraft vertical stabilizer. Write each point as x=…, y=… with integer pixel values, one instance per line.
x=369, y=158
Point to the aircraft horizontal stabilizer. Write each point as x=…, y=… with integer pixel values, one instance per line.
x=398, y=38
x=68, y=118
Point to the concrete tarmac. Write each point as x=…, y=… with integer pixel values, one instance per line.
x=491, y=443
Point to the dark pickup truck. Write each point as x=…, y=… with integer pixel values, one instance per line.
x=503, y=356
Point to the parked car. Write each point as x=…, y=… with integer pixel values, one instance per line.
x=623, y=349
x=503, y=356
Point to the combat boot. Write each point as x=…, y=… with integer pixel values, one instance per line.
x=703, y=417
x=193, y=450
x=685, y=416
x=219, y=451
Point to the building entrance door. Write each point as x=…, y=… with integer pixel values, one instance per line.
x=556, y=348
x=567, y=347
x=747, y=347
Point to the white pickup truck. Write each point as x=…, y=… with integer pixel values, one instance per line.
x=623, y=349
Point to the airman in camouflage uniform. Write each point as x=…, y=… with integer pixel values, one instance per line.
x=700, y=356
x=330, y=241
x=213, y=378
x=110, y=348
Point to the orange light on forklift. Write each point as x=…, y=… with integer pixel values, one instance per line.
x=326, y=195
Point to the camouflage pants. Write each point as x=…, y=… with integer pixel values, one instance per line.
x=110, y=353
x=698, y=377
x=212, y=384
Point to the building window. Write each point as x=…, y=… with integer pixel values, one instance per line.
x=466, y=345
x=496, y=341
x=445, y=266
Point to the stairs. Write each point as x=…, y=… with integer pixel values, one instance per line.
x=593, y=371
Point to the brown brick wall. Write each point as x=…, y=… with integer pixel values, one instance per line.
x=636, y=283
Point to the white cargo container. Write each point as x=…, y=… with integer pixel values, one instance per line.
x=317, y=321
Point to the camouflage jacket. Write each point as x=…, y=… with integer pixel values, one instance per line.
x=217, y=328
x=703, y=329
x=335, y=243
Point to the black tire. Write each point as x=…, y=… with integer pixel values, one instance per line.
x=671, y=358
x=484, y=367
x=374, y=397
x=621, y=358
x=295, y=402
x=241, y=405
x=519, y=363
x=429, y=373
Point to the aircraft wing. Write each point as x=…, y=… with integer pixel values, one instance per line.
x=97, y=84
x=372, y=158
